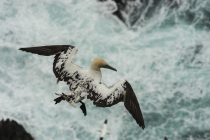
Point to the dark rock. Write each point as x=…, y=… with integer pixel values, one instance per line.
x=131, y=11
x=139, y=12
x=11, y=130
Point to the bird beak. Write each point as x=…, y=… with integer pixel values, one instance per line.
x=109, y=67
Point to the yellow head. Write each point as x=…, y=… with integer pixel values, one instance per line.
x=98, y=63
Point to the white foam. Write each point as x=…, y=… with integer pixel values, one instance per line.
x=169, y=87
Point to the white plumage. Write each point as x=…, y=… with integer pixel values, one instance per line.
x=88, y=81
x=103, y=131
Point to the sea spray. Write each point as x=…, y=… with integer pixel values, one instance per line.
x=159, y=59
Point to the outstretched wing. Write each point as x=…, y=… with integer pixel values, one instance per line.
x=46, y=50
x=63, y=67
x=132, y=105
x=121, y=91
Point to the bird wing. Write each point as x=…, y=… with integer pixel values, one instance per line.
x=63, y=67
x=104, y=96
x=47, y=50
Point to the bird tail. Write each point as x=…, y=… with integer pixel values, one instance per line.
x=47, y=50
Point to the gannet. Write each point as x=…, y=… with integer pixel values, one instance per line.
x=103, y=131
x=87, y=83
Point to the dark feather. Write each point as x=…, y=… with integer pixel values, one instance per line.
x=46, y=50
x=83, y=108
x=132, y=105
x=105, y=121
x=59, y=99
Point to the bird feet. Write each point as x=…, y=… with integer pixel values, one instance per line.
x=72, y=101
x=68, y=98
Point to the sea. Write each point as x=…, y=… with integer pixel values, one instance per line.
x=164, y=55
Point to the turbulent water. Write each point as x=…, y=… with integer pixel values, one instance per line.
x=165, y=57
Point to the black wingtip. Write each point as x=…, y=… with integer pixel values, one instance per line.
x=105, y=121
x=47, y=50
x=132, y=105
x=165, y=138
x=23, y=49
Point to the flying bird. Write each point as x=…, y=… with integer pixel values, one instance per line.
x=103, y=131
x=87, y=83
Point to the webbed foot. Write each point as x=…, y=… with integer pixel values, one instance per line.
x=59, y=99
x=62, y=97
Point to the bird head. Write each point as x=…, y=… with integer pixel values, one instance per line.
x=100, y=63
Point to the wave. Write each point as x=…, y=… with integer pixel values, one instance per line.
x=163, y=12
x=163, y=53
